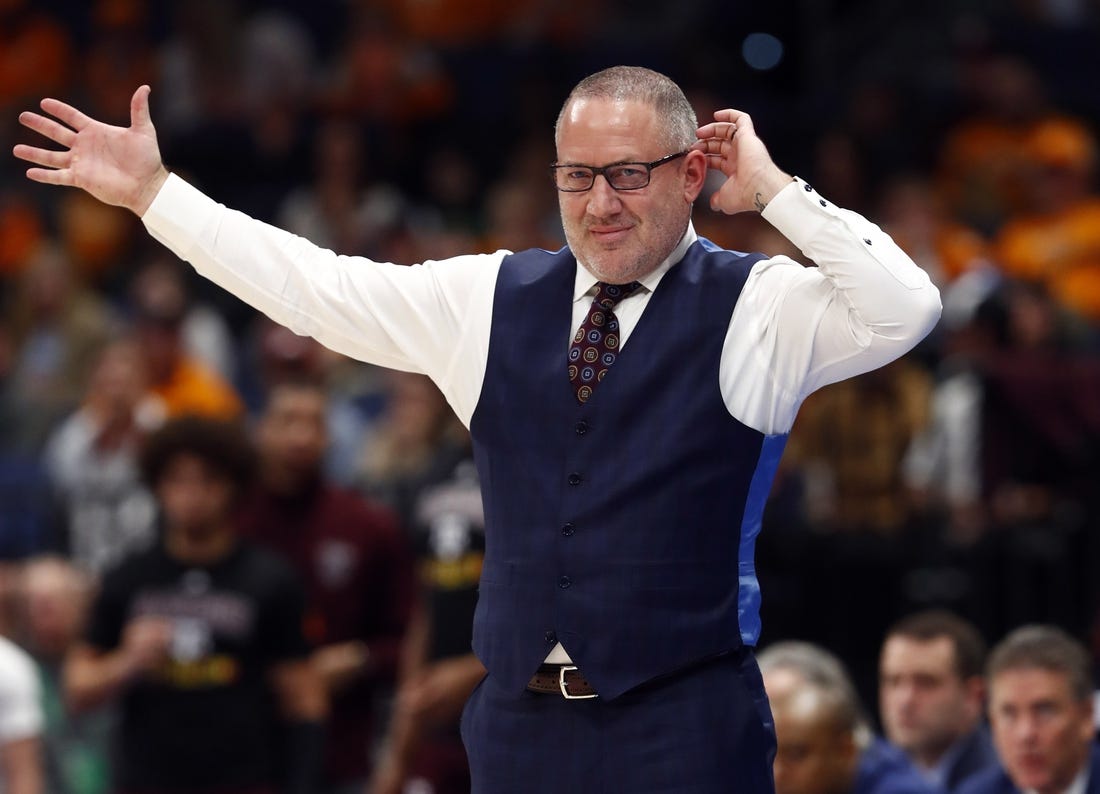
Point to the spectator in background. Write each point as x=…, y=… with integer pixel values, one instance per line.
x=982, y=169
x=36, y=53
x=20, y=723
x=419, y=441
x=199, y=640
x=1040, y=710
x=1055, y=240
x=183, y=382
x=350, y=555
x=162, y=285
x=55, y=598
x=424, y=750
x=931, y=696
x=339, y=208
x=104, y=511
x=825, y=745
x=56, y=326
x=914, y=216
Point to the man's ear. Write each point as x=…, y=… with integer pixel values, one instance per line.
x=695, y=172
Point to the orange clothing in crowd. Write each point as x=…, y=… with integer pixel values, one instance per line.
x=1059, y=249
x=192, y=388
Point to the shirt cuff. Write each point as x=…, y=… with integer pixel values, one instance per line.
x=799, y=212
x=178, y=214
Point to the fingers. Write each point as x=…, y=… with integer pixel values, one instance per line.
x=51, y=176
x=139, y=108
x=44, y=157
x=727, y=123
x=67, y=113
x=48, y=128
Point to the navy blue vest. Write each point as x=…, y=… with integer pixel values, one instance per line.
x=624, y=527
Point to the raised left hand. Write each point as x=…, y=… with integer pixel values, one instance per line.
x=732, y=147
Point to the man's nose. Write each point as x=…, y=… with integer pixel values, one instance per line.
x=603, y=199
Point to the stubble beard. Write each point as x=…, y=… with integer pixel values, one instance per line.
x=615, y=265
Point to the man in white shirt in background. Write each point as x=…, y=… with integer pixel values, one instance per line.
x=20, y=722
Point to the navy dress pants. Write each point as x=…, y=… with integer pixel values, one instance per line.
x=704, y=731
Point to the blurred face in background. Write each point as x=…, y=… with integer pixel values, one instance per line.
x=196, y=498
x=1042, y=730
x=813, y=755
x=926, y=706
x=55, y=598
x=293, y=435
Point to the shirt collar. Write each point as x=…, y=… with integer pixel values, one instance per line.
x=585, y=283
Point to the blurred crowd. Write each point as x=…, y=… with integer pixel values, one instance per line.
x=961, y=477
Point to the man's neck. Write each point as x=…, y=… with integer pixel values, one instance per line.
x=204, y=547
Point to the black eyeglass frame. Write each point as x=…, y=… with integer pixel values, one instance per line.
x=606, y=169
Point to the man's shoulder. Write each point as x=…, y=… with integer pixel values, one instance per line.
x=884, y=769
x=976, y=754
x=993, y=780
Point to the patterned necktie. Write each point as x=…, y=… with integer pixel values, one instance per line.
x=596, y=344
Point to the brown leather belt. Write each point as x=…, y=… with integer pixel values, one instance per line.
x=561, y=679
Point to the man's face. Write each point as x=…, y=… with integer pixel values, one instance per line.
x=195, y=498
x=812, y=756
x=292, y=435
x=1041, y=730
x=623, y=235
x=925, y=705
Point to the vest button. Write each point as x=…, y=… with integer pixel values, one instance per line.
x=564, y=582
x=575, y=479
x=581, y=427
x=568, y=529
x=550, y=637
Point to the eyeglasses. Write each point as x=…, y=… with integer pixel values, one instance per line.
x=574, y=178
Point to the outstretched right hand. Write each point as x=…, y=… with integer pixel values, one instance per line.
x=117, y=165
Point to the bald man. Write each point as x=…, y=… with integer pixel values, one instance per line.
x=825, y=745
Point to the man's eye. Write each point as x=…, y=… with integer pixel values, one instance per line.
x=629, y=172
x=578, y=175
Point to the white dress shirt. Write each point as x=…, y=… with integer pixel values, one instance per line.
x=793, y=330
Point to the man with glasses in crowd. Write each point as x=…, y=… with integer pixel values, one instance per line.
x=623, y=485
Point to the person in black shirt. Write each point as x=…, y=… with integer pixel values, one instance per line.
x=200, y=638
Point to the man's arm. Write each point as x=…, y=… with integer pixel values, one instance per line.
x=93, y=677
x=21, y=722
x=432, y=318
x=795, y=329
x=21, y=766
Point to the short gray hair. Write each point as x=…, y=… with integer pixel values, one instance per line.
x=622, y=83
x=825, y=676
x=1041, y=647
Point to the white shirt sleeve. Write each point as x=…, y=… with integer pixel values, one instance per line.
x=432, y=318
x=797, y=328
x=20, y=697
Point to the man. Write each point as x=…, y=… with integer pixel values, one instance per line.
x=20, y=722
x=1040, y=712
x=932, y=697
x=618, y=604
x=55, y=598
x=352, y=559
x=825, y=745
x=446, y=521
x=199, y=640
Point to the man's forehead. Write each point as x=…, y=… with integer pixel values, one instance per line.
x=1029, y=683
x=603, y=120
x=908, y=652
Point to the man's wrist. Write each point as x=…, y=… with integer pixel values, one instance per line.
x=768, y=187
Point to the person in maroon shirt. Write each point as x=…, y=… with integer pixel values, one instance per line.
x=353, y=560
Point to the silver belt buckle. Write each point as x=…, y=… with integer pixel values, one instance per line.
x=566, y=668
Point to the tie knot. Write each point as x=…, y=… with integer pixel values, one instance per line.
x=608, y=295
